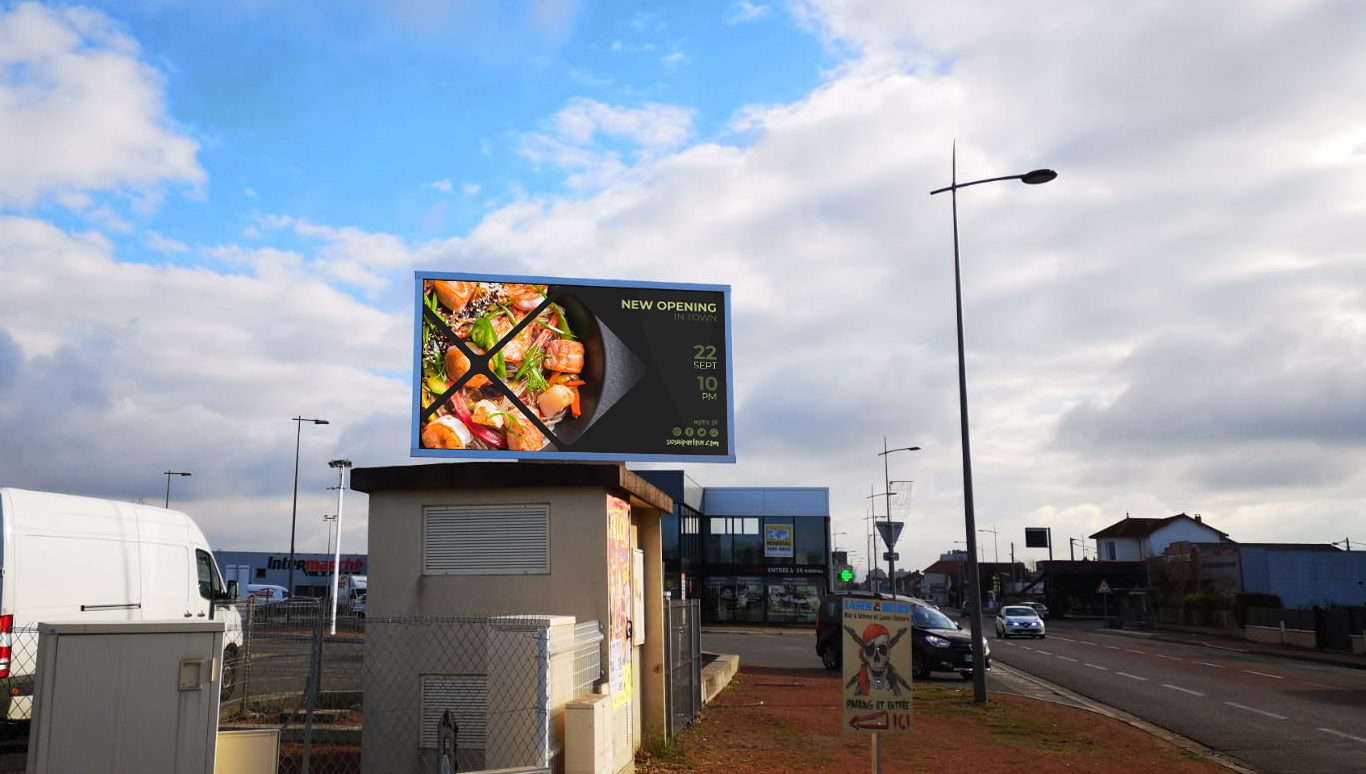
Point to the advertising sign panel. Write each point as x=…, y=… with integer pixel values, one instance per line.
x=877, y=665
x=778, y=541
x=535, y=367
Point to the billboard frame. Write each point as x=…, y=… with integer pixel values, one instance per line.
x=415, y=419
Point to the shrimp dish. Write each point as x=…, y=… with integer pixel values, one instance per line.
x=534, y=374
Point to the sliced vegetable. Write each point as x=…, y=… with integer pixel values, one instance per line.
x=482, y=433
x=574, y=407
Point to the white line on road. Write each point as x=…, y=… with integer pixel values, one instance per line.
x=1132, y=677
x=1112, y=647
x=1183, y=690
x=1208, y=664
x=1097, y=666
x=1065, y=658
x=1263, y=674
x=1131, y=650
x=1344, y=736
x=1046, y=653
x=1254, y=709
x=1172, y=658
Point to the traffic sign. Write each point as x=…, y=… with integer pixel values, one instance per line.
x=890, y=531
x=1103, y=588
x=890, y=556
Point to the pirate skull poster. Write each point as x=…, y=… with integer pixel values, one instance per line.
x=877, y=665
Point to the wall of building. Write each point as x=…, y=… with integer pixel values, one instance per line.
x=1304, y=577
x=1181, y=529
x=578, y=550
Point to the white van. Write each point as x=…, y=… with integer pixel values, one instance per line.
x=67, y=558
x=266, y=593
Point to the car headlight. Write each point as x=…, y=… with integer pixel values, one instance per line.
x=938, y=642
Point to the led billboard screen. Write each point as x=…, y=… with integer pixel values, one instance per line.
x=537, y=367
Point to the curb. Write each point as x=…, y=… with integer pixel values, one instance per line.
x=1289, y=656
x=1091, y=705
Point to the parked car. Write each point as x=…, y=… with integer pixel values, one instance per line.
x=1019, y=620
x=1039, y=608
x=937, y=643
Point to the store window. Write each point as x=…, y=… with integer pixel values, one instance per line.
x=793, y=601
x=810, y=540
x=733, y=599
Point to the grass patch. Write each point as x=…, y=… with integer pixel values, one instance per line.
x=658, y=747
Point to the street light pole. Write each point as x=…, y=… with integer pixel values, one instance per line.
x=168, y=475
x=887, y=479
x=294, y=513
x=329, y=518
x=1036, y=177
x=341, y=466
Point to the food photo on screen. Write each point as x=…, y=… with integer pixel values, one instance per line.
x=538, y=372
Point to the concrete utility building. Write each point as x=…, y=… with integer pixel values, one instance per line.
x=549, y=540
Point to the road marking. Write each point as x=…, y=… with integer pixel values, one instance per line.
x=1263, y=674
x=1131, y=650
x=1132, y=677
x=1065, y=658
x=1344, y=736
x=1208, y=664
x=1096, y=666
x=1259, y=712
x=1171, y=658
x=1112, y=647
x=1046, y=653
x=1064, y=639
x=1183, y=690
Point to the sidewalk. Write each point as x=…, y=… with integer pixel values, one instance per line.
x=1228, y=642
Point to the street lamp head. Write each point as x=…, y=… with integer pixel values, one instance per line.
x=325, y=422
x=339, y=464
x=1038, y=177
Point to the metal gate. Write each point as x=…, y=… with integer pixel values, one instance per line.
x=1334, y=627
x=683, y=662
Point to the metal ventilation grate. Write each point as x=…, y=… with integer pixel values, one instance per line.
x=486, y=540
x=466, y=696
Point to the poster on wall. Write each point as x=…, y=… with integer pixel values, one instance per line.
x=619, y=599
x=535, y=367
x=778, y=541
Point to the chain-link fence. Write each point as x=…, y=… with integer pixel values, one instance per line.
x=372, y=696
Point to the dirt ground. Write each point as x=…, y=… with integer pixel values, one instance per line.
x=776, y=721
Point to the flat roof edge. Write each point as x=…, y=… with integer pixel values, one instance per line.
x=496, y=475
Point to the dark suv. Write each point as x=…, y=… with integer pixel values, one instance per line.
x=938, y=644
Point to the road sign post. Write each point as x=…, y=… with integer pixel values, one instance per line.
x=1104, y=591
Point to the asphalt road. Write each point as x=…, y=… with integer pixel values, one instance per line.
x=1274, y=714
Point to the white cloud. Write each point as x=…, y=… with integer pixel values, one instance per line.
x=675, y=59
x=652, y=125
x=164, y=245
x=80, y=113
x=746, y=11
x=444, y=186
x=471, y=189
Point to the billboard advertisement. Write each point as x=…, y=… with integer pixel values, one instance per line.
x=537, y=367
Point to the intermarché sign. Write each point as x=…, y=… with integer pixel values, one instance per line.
x=316, y=566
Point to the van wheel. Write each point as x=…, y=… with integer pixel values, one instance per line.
x=829, y=659
x=229, y=673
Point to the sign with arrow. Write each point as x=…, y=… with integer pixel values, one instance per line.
x=890, y=531
x=877, y=665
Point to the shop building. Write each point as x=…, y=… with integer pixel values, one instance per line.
x=751, y=554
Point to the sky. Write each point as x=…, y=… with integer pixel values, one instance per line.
x=211, y=213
